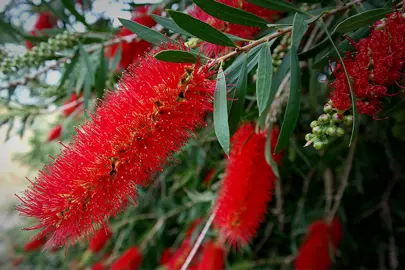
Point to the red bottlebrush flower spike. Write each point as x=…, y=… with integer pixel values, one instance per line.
x=247, y=186
x=208, y=178
x=246, y=32
x=130, y=51
x=131, y=259
x=166, y=256
x=97, y=266
x=99, y=239
x=212, y=257
x=55, y=133
x=376, y=64
x=72, y=107
x=17, y=260
x=44, y=21
x=314, y=254
x=35, y=243
x=132, y=134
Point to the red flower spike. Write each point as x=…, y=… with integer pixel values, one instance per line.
x=130, y=51
x=97, y=266
x=45, y=20
x=247, y=186
x=131, y=259
x=246, y=32
x=99, y=239
x=314, y=254
x=35, y=243
x=55, y=133
x=208, y=178
x=166, y=256
x=376, y=64
x=212, y=257
x=130, y=137
x=73, y=99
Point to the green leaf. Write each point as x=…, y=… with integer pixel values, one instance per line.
x=238, y=99
x=86, y=59
x=294, y=99
x=268, y=155
x=176, y=56
x=69, y=68
x=264, y=78
x=200, y=29
x=362, y=19
x=280, y=5
x=353, y=96
x=101, y=74
x=230, y=14
x=144, y=32
x=87, y=93
x=117, y=58
x=170, y=24
x=221, y=112
x=69, y=5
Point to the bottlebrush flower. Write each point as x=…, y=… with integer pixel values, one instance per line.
x=212, y=257
x=314, y=254
x=17, y=260
x=73, y=99
x=99, y=239
x=45, y=20
x=131, y=259
x=55, y=133
x=97, y=266
x=35, y=243
x=375, y=65
x=208, y=178
x=246, y=32
x=247, y=186
x=166, y=256
x=130, y=51
x=130, y=137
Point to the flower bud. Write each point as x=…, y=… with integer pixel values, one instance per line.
x=337, y=117
x=318, y=145
x=331, y=131
x=314, y=124
x=348, y=120
x=324, y=118
x=317, y=131
x=340, y=132
x=327, y=108
x=309, y=137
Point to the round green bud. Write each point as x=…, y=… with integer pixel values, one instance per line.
x=59, y=37
x=327, y=108
x=337, y=117
x=324, y=118
x=318, y=145
x=309, y=137
x=317, y=131
x=340, y=132
x=330, y=102
x=348, y=120
x=314, y=124
x=331, y=131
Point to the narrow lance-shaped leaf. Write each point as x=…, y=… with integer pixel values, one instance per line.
x=86, y=59
x=294, y=98
x=200, y=29
x=144, y=32
x=221, y=112
x=280, y=5
x=69, y=68
x=362, y=19
x=117, y=58
x=170, y=24
x=264, y=78
x=268, y=155
x=101, y=74
x=238, y=101
x=230, y=14
x=70, y=5
x=176, y=56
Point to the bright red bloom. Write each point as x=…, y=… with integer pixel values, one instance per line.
x=55, y=133
x=99, y=239
x=73, y=99
x=97, y=266
x=247, y=32
x=45, y=20
x=35, y=243
x=131, y=259
x=130, y=51
x=376, y=64
x=212, y=257
x=247, y=186
x=208, y=178
x=166, y=256
x=17, y=260
x=314, y=254
x=130, y=137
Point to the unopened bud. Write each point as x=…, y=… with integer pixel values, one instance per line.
x=317, y=131
x=318, y=145
x=337, y=117
x=331, y=131
x=314, y=124
x=340, y=132
x=324, y=118
x=327, y=108
x=309, y=137
x=348, y=120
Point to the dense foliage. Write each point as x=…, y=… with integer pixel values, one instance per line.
x=232, y=134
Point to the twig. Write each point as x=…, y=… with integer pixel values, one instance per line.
x=344, y=181
x=305, y=188
x=279, y=204
x=198, y=242
x=328, y=184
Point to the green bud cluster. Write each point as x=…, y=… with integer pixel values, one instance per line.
x=280, y=51
x=39, y=53
x=327, y=125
